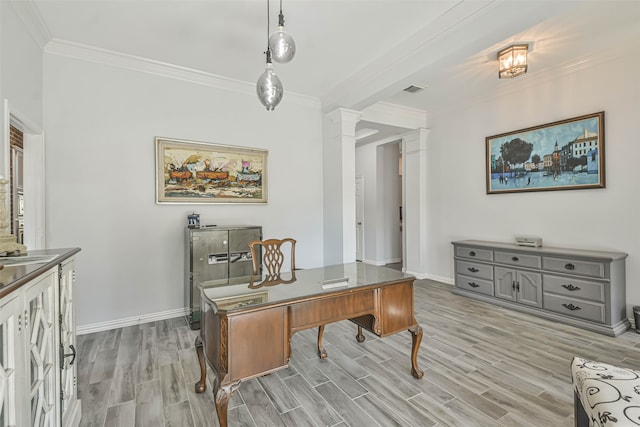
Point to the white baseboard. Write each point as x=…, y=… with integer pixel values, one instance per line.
x=130, y=321
x=441, y=279
x=383, y=262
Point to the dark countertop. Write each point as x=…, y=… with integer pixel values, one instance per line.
x=12, y=277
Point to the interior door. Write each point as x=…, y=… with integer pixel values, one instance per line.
x=359, y=217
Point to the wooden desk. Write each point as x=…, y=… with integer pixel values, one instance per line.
x=246, y=329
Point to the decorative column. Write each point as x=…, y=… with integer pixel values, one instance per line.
x=414, y=202
x=8, y=242
x=339, y=185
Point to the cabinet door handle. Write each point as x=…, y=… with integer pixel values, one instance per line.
x=473, y=269
x=64, y=355
x=513, y=285
x=472, y=253
x=473, y=284
x=571, y=307
x=515, y=258
x=518, y=286
x=569, y=266
x=570, y=287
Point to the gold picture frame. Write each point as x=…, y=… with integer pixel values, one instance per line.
x=199, y=172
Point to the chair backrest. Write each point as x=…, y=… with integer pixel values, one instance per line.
x=272, y=255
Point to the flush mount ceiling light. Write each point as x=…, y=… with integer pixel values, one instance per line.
x=512, y=61
x=283, y=47
x=269, y=87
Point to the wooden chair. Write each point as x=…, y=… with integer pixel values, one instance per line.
x=272, y=255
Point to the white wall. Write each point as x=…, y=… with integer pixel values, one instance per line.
x=101, y=122
x=459, y=207
x=20, y=75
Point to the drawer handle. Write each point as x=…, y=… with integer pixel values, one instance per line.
x=571, y=307
x=570, y=266
x=570, y=287
x=515, y=258
x=472, y=253
x=473, y=269
x=473, y=284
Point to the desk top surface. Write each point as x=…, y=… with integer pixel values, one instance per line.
x=300, y=284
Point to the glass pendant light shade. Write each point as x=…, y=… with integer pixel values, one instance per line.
x=282, y=45
x=269, y=87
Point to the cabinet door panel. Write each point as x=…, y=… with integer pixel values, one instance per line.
x=41, y=308
x=505, y=283
x=529, y=288
x=12, y=362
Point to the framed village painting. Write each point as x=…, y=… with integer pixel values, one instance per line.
x=197, y=172
x=563, y=155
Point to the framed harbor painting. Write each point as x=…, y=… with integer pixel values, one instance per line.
x=198, y=172
x=563, y=155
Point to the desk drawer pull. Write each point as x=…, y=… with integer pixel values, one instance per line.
x=570, y=287
x=569, y=266
x=473, y=269
x=571, y=307
x=515, y=258
x=473, y=284
x=472, y=253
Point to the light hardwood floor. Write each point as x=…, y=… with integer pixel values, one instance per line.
x=483, y=366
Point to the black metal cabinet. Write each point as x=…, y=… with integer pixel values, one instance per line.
x=216, y=256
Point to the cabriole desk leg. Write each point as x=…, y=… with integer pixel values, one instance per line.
x=416, y=338
x=223, y=395
x=322, y=353
x=201, y=385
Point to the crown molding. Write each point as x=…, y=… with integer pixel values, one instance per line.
x=395, y=115
x=97, y=55
x=28, y=13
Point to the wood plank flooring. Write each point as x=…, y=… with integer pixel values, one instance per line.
x=483, y=366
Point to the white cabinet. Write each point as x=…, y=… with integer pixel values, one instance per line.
x=36, y=325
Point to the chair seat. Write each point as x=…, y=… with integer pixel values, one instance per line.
x=609, y=395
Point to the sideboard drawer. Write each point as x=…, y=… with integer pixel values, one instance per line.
x=473, y=253
x=474, y=284
x=572, y=266
x=521, y=260
x=576, y=308
x=574, y=288
x=474, y=269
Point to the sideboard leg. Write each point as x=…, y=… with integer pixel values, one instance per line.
x=201, y=385
x=360, y=336
x=416, y=338
x=223, y=395
x=322, y=353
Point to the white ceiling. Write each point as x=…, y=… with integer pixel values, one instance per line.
x=353, y=53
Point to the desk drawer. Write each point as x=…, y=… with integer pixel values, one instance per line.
x=474, y=269
x=586, y=310
x=572, y=266
x=520, y=260
x=571, y=287
x=474, y=284
x=474, y=253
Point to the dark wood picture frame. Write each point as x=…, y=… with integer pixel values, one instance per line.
x=563, y=155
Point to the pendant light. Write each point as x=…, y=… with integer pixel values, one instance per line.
x=269, y=87
x=282, y=44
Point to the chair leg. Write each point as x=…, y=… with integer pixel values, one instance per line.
x=322, y=353
x=581, y=419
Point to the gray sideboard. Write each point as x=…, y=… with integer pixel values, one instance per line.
x=578, y=287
